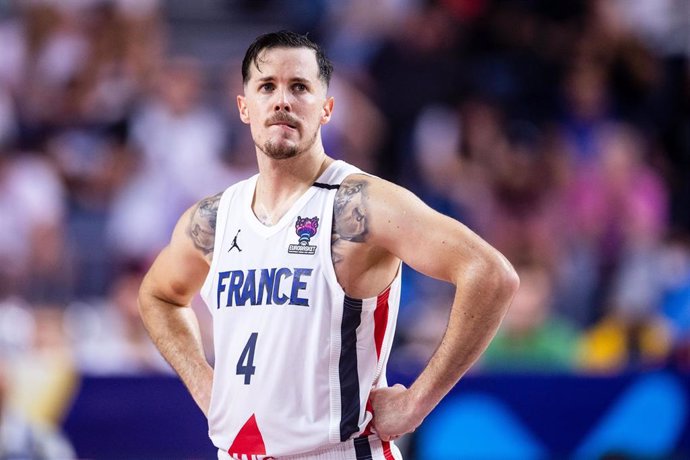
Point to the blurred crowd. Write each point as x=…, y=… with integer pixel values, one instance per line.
x=558, y=131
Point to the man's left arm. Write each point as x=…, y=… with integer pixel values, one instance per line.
x=442, y=248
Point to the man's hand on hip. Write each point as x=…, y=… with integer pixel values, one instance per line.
x=394, y=412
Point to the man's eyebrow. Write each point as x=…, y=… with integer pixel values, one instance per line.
x=292, y=80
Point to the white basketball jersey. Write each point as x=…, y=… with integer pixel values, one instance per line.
x=295, y=357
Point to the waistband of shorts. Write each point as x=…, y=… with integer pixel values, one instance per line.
x=364, y=448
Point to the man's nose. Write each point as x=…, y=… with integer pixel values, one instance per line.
x=282, y=101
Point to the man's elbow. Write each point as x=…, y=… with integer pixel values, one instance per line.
x=509, y=279
x=144, y=299
x=501, y=277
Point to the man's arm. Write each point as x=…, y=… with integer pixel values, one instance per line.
x=175, y=277
x=443, y=248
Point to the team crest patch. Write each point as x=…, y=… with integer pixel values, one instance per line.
x=306, y=229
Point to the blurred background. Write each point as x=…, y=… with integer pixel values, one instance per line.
x=558, y=131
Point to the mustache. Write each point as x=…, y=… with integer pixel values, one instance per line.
x=282, y=118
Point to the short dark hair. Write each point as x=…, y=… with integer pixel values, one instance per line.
x=285, y=39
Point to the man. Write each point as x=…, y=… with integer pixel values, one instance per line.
x=300, y=267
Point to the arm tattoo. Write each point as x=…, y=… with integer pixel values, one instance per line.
x=202, y=224
x=349, y=216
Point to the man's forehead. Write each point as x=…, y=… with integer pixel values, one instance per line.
x=298, y=62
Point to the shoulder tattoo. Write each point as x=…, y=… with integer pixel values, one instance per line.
x=202, y=224
x=349, y=216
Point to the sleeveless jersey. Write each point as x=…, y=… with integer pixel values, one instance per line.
x=295, y=357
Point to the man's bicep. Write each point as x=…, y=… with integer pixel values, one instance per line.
x=180, y=269
x=428, y=241
x=175, y=279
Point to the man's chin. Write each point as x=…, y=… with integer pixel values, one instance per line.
x=280, y=152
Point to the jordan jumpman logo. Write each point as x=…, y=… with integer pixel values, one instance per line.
x=234, y=242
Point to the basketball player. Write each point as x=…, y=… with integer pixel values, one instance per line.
x=300, y=268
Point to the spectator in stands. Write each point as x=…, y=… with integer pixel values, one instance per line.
x=32, y=207
x=675, y=273
x=110, y=338
x=532, y=338
x=87, y=88
x=181, y=141
x=622, y=204
x=20, y=439
x=44, y=377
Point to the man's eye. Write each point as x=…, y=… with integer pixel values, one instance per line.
x=299, y=87
x=267, y=87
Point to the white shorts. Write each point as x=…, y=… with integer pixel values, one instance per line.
x=369, y=448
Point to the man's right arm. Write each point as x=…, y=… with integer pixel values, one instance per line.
x=166, y=292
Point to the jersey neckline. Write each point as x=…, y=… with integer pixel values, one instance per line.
x=267, y=231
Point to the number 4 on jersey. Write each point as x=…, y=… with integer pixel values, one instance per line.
x=245, y=365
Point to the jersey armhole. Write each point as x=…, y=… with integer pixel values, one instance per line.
x=326, y=254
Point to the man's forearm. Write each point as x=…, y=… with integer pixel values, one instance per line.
x=484, y=292
x=482, y=298
x=175, y=331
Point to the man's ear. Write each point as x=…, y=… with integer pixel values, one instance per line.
x=327, y=110
x=242, y=107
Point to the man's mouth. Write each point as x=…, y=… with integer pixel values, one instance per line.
x=285, y=123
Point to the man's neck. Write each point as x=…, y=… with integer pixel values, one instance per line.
x=282, y=182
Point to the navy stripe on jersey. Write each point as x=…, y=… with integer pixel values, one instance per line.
x=349, y=379
x=362, y=449
x=326, y=186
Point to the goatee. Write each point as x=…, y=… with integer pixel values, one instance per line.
x=278, y=151
x=281, y=151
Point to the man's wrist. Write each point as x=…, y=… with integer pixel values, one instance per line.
x=420, y=404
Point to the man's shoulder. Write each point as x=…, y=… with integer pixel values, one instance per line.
x=365, y=207
x=365, y=187
x=201, y=227
x=203, y=217
x=350, y=207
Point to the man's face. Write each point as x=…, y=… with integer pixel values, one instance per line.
x=285, y=102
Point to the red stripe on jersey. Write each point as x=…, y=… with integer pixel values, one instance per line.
x=368, y=430
x=381, y=320
x=387, y=454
